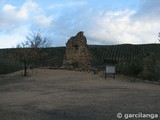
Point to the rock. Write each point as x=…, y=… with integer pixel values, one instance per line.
x=77, y=55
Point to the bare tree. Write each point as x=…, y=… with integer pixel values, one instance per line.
x=30, y=50
x=36, y=39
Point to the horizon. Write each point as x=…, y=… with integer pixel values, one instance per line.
x=87, y=45
x=109, y=22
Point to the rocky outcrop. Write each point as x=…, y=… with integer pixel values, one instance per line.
x=77, y=55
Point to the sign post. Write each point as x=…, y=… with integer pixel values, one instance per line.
x=110, y=70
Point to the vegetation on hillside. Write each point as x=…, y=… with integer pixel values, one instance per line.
x=144, y=68
x=133, y=60
x=140, y=61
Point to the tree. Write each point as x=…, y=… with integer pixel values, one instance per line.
x=24, y=56
x=30, y=50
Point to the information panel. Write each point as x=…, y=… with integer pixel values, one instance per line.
x=110, y=69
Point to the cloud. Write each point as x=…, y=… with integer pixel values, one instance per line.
x=118, y=27
x=26, y=9
x=65, y=19
x=16, y=22
x=67, y=4
x=43, y=20
x=108, y=27
x=27, y=13
x=9, y=8
x=13, y=17
x=69, y=23
x=22, y=13
x=11, y=39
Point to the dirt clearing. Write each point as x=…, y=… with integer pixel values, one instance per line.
x=71, y=95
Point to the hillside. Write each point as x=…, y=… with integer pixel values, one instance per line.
x=123, y=52
x=99, y=53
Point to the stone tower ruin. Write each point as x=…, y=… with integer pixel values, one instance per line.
x=77, y=55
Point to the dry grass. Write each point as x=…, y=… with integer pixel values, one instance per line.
x=71, y=95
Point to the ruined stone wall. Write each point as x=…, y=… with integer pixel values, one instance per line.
x=77, y=55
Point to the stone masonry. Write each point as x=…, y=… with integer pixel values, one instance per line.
x=77, y=55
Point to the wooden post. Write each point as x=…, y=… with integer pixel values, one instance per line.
x=25, y=68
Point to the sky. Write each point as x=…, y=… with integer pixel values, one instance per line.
x=107, y=22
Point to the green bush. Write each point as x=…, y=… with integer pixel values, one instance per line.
x=146, y=68
x=130, y=68
x=151, y=68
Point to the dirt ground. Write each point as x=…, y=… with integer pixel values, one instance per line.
x=71, y=95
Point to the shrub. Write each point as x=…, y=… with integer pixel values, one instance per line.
x=146, y=68
x=130, y=68
x=151, y=68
